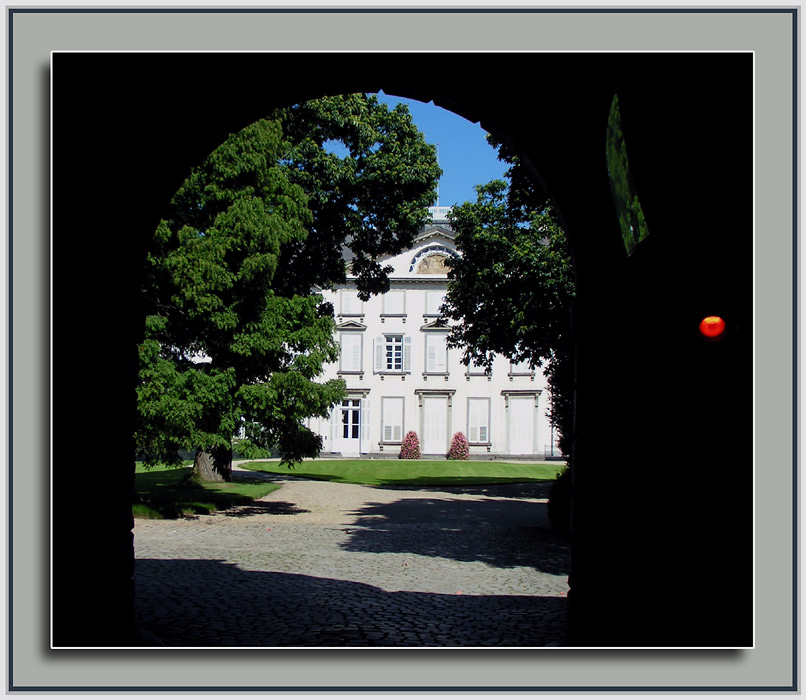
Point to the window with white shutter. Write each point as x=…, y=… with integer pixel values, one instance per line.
x=436, y=353
x=350, y=354
x=392, y=419
x=433, y=300
x=477, y=369
x=351, y=305
x=393, y=353
x=394, y=303
x=478, y=421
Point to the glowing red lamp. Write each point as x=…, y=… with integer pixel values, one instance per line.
x=713, y=327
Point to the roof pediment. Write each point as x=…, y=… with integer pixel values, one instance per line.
x=435, y=232
x=350, y=326
x=438, y=324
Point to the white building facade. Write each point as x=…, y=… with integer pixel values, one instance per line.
x=401, y=376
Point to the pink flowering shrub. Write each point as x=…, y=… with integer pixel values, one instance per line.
x=410, y=449
x=459, y=447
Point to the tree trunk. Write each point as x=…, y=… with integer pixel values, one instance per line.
x=215, y=465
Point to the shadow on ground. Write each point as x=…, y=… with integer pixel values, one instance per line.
x=499, y=532
x=262, y=508
x=503, y=488
x=209, y=603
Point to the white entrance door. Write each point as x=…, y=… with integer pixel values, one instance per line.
x=350, y=427
x=521, y=425
x=435, y=425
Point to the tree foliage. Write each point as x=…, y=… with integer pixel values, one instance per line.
x=235, y=336
x=510, y=291
x=628, y=207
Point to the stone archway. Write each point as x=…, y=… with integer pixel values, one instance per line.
x=649, y=392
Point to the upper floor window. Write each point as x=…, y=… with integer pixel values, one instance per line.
x=350, y=305
x=479, y=370
x=350, y=356
x=522, y=368
x=436, y=353
x=433, y=300
x=393, y=353
x=394, y=302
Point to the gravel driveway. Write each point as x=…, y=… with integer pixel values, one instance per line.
x=339, y=565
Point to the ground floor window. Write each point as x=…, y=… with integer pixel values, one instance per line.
x=521, y=408
x=351, y=419
x=392, y=419
x=478, y=421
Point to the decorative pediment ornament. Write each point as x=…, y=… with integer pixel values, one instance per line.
x=431, y=260
x=351, y=326
x=433, y=265
x=438, y=324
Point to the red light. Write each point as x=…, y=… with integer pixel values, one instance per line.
x=713, y=327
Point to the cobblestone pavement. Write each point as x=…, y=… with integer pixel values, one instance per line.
x=318, y=564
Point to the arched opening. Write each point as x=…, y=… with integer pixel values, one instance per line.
x=651, y=397
x=493, y=546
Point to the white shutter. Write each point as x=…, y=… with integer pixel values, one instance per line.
x=350, y=303
x=380, y=354
x=433, y=300
x=394, y=302
x=392, y=409
x=478, y=418
x=364, y=424
x=436, y=353
x=346, y=301
x=442, y=353
x=351, y=352
x=472, y=421
x=335, y=414
x=406, y=354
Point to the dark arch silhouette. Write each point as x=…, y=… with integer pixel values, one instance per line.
x=662, y=540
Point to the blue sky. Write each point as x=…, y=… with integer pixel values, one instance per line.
x=464, y=155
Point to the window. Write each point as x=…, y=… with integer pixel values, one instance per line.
x=477, y=369
x=436, y=353
x=394, y=303
x=393, y=353
x=392, y=419
x=350, y=419
x=433, y=300
x=522, y=367
x=478, y=421
x=350, y=354
x=351, y=305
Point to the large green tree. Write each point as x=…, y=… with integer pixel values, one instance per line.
x=237, y=334
x=510, y=291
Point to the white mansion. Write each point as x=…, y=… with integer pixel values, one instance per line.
x=401, y=376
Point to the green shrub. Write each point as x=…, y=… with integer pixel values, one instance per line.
x=143, y=512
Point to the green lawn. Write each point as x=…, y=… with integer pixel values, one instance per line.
x=166, y=492
x=411, y=472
